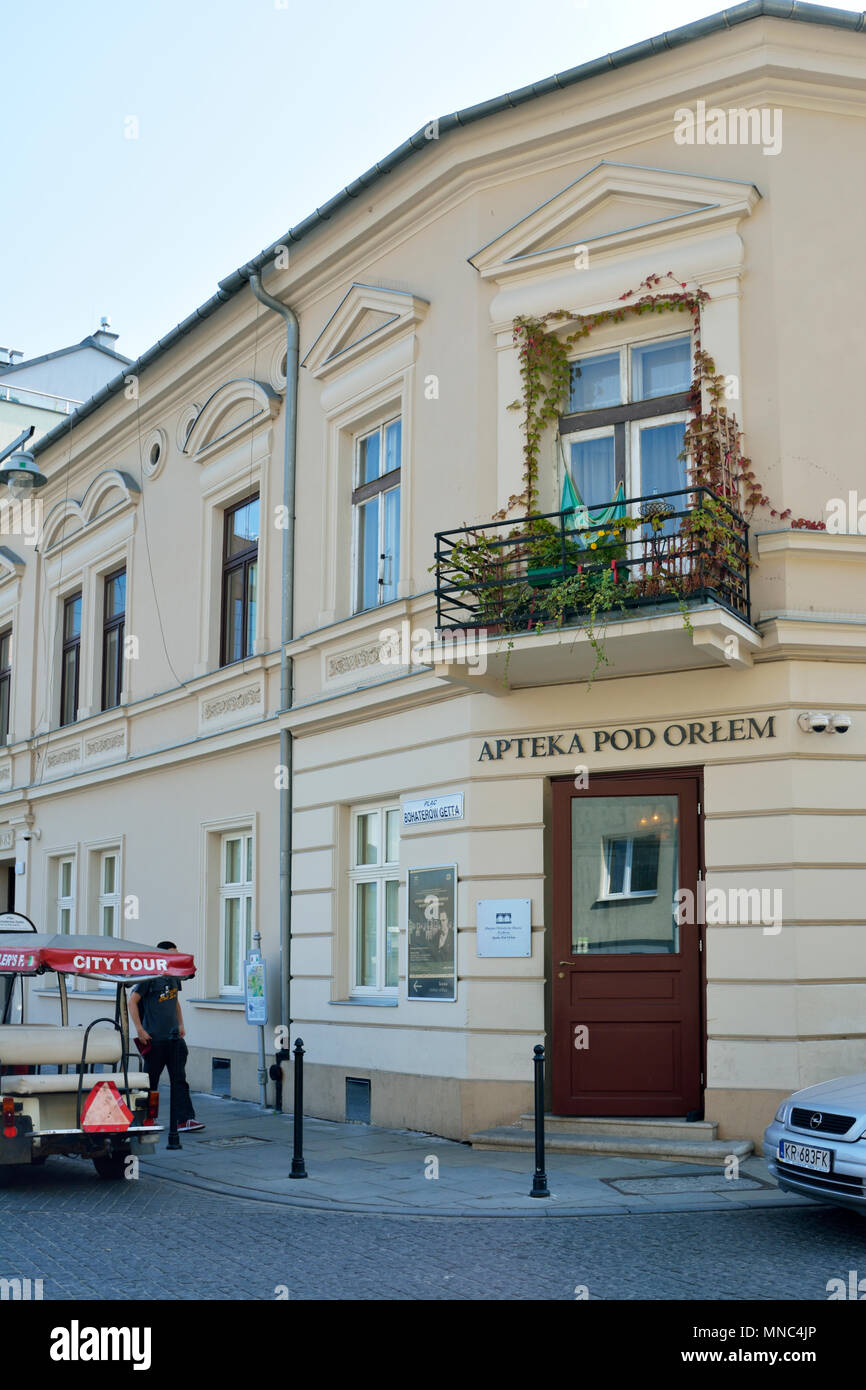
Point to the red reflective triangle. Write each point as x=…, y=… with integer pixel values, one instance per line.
x=105, y=1111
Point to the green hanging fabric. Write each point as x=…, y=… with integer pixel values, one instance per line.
x=577, y=518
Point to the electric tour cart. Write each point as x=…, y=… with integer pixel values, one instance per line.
x=56, y=1095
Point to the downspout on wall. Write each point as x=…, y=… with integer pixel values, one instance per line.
x=286, y=634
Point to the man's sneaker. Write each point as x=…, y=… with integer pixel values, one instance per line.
x=189, y=1125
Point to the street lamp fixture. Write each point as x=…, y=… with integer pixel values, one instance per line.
x=20, y=473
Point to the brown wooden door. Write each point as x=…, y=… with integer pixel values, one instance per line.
x=627, y=1016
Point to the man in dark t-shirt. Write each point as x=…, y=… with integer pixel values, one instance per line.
x=154, y=1007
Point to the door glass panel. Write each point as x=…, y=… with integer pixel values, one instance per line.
x=624, y=875
x=592, y=470
x=663, y=471
x=595, y=383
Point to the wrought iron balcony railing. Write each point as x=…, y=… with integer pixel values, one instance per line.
x=688, y=547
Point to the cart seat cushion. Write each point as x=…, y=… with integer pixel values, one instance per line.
x=52, y=1085
x=34, y=1046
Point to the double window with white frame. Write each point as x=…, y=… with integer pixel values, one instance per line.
x=236, y=909
x=623, y=432
x=375, y=890
x=376, y=515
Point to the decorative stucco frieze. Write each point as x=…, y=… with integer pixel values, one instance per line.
x=345, y=663
x=228, y=704
x=104, y=743
x=58, y=757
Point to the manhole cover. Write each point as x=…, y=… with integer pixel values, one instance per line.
x=233, y=1141
x=701, y=1182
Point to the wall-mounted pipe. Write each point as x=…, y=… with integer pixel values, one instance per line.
x=286, y=634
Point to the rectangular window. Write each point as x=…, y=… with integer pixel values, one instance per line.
x=376, y=506
x=236, y=910
x=113, y=618
x=375, y=887
x=66, y=895
x=240, y=581
x=70, y=659
x=630, y=867
x=109, y=894
x=5, y=683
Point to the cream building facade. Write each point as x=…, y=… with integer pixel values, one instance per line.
x=148, y=803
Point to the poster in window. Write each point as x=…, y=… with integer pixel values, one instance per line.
x=432, y=932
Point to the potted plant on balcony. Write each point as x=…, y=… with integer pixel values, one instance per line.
x=549, y=556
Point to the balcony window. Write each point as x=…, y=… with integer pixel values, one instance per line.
x=627, y=415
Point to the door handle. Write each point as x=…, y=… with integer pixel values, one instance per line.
x=566, y=962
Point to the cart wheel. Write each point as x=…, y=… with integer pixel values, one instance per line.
x=110, y=1166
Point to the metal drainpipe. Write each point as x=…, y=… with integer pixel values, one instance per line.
x=286, y=633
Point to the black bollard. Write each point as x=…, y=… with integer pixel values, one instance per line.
x=173, y=1136
x=298, y=1169
x=539, y=1177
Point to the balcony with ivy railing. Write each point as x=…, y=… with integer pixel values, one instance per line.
x=681, y=560
x=506, y=576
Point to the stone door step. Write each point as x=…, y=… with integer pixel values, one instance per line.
x=713, y=1152
x=626, y=1128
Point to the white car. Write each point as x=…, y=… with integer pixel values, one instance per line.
x=816, y=1145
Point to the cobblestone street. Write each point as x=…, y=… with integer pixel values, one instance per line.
x=153, y=1239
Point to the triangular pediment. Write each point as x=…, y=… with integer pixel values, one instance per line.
x=366, y=318
x=611, y=206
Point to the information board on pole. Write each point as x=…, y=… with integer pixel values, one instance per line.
x=255, y=989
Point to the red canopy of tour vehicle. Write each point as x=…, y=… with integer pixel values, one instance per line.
x=31, y=953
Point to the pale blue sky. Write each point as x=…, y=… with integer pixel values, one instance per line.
x=251, y=113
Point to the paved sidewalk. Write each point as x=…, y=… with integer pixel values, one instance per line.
x=246, y=1152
